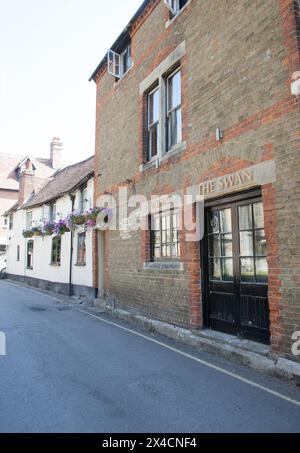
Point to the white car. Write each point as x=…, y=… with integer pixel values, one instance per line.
x=2, y=264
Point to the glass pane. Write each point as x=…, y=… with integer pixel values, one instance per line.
x=156, y=238
x=246, y=243
x=174, y=128
x=226, y=221
x=214, y=223
x=154, y=107
x=259, y=221
x=247, y=270
x=227, y=269
x=153, y=141
x=260, y=243
x=175, y=90
x=157, y=252
x=214, y=245
x=261, y=270
x=245, y=217
x=227, y=249
x=215, y=269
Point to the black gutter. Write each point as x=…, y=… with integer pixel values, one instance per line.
x=71, y=251
x=122, y=37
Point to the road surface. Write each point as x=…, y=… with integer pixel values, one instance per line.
x=70, y=371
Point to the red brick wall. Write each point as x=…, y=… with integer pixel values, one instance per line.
x=236, y=74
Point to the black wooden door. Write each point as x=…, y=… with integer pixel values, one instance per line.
x=236, y=269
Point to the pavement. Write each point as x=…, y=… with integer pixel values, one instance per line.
x=67, y=369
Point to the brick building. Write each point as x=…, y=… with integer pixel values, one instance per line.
x=198, y=93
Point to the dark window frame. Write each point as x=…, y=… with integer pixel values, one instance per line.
x=29, y=255
x=172, y=230
x=18, y=253
x=56, y=251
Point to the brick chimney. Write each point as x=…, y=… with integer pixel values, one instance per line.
x=56, y=153
x=26, y=184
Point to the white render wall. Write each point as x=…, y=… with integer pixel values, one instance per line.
x=42, y=268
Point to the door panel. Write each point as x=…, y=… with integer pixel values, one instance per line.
x=237, y=270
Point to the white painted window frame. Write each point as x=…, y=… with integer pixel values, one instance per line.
x=151, y=125
x=115, y=62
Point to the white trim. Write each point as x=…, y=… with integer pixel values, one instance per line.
x=163, y=67
x=170, y=21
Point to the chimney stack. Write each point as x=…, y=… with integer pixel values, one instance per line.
x=56, y=153
x=26, y=184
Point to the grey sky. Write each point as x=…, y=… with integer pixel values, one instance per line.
x=48, y=50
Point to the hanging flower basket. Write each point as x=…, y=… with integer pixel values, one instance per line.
x=37, y=231
x=28, y=234
x=48, y=228
x=92, y=214
x=61, y=228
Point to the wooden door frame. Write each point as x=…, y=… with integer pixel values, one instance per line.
x=218, y=202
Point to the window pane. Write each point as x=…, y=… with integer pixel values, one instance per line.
x=174, y=128
x=227, y=269
x=260, y=243
x=258, y=215
x=246, y=243
x=154, y=107
x=227, y=249
x=225, y=216
x=214, y=223
x=175, y=90
x=261, y=270
x=153, y=141
x=215, y=269
x=247, y=270
x=214, y=245
x=245, y=217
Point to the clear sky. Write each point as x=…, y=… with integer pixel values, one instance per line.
x=48, y=50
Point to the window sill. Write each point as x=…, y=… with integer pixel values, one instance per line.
x=170, y=21
x=164, y=266
x=54, y=265
x=80, y=265
x=147, y=165
x=177, y=149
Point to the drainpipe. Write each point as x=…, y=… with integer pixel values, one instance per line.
x=72, y=197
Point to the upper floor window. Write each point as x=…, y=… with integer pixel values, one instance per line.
x=164, y=116
x=29, y=220
x=84, y=201
x=119, y=63
x=56, y=251
x=11, y=222
x=175, y=5
x=5, y=222
x=153, y=123
x=52, y=212
x=174, y=118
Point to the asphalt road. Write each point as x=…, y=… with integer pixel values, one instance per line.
x=67, y=371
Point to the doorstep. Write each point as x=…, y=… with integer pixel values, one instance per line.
x=256, y=356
